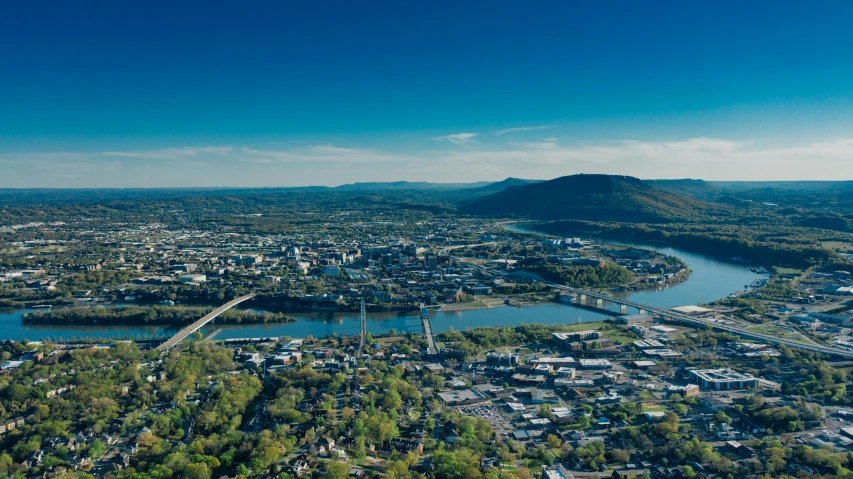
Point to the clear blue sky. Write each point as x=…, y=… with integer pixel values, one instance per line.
x=289, y=93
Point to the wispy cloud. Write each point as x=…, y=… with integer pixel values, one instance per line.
x=235, y=165
x=522, y=128
x=171, y=153
x=458, y=138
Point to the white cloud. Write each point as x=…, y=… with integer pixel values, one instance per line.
x=707, y=158
x=522, y=128
x=171, y=153
x=227, y=165
x=458, y=138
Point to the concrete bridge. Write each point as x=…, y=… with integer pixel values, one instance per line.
x=184, y=333
x=683, y=318
x=428, y=330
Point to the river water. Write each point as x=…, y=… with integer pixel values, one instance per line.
x=710, y=279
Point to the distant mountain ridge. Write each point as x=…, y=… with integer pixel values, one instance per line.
x=594, y=198
x=18, y=196
x=409, y=185
x=507, y=183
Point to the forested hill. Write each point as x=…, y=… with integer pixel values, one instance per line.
x=594, y=198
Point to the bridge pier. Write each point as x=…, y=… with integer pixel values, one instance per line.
x=599, y=303
x=583, y=299
x=623, y=309
x=642, y=311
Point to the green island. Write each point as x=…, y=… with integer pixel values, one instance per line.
x=148, y=315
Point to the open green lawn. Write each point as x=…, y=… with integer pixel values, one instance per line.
x=646, y=395
x=570, y=328
x=775, y=331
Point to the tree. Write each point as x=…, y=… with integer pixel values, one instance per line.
x=618, y=456
x=723, y=417
x=197, y=471
x=337, y=470
x=96, y=449
x=553, y=441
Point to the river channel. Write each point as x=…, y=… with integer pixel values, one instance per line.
x=710, y=279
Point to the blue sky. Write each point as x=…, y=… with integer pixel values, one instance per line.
x=295, y=93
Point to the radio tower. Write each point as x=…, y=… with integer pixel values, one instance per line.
x=363, y=333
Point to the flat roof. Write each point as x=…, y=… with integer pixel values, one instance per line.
x=595, y=362
x=567, y=359
x=691, y=309
x=645, y=364
x=460, y=395
x=722, y=375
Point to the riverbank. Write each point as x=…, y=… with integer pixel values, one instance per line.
x=710, y=279
x=464, y=306
x=721, y=241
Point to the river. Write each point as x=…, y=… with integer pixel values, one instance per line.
x=710, y=279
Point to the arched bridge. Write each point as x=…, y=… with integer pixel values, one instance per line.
x=184, y=333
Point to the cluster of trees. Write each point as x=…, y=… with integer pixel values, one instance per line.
x=474, y=340
x=584, y=276
x=768, y=243
x=478, y=339
x=97, y=403
x=821, y=382
x=522, y=288
x=148, y=315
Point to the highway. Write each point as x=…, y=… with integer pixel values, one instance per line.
x=184, y=333
x=683, y=318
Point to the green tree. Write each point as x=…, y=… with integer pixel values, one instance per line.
x=96, y=449
x=336, y=470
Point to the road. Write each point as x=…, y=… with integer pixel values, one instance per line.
x=184, y=333
x=682, y=318
x=678, y=317
x=447, y=249
x=428, y=330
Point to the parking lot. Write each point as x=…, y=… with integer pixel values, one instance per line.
x=500, y=420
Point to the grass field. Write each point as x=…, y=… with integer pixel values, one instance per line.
x=788, y=270
x=775, y=331
x=465, y=306
x=837, y=245
x=617, y=335
x=646, y=395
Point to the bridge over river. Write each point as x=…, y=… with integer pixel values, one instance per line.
x=184, y=333
x=674, y=316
